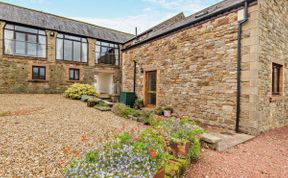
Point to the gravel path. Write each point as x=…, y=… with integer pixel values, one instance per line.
x=41, y=134
x=264, y=156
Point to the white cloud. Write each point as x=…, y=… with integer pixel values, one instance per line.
x=143, y=21
x=186, y=6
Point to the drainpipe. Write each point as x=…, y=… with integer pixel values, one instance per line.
x=240, y=26
x=134, y=77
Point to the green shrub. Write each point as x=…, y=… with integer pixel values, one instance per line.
x=76, y=91
x=124, y=111
x=85, y=98
x=159, y=110
x=139, y=104
x=91, y=102
x=195, y=150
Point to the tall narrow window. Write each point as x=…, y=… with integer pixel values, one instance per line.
x=276, y=79
x=71, y=48
x=74, y=74
x=24, y=41
x=38, y=73
x=107, y=53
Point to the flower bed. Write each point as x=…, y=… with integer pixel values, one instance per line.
x=142, y=154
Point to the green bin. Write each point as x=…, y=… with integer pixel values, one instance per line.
x=128, y=98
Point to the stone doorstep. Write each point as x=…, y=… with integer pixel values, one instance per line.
x=223, y=141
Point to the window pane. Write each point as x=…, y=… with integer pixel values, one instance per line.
x=97, y=48
x=9, y=47
x=42, y=39
x=72, y=38
x=152, y=81
x=26, y=29
x=32, y=38
x=98, y=43
x=41, y=51
x=104, y=44
x=31, y=49
x=76, y=77
x=84, y=40
x=71, y=74
x=60, y=35
x=152, y=98
x=35, y=73
x=8, y=26
x=9, y=34
x=77, y=51
x=67, y=50
x=20, y=47
x=20, y=36
x=42, y=32
x=104, y=50
x=59, y=50
x=84, y=52
x=42, y=73
x=97, y=57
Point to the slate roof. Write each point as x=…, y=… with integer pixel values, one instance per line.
x=24, y=16
x=194, y=18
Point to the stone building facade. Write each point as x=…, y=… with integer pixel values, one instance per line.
x=196, y=66
x=16, y=70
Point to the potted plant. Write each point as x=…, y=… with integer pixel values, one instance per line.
x=168, y=111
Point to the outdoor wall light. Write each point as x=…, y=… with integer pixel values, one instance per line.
x=52, y=33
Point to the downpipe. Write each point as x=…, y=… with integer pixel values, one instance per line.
x=239, y=53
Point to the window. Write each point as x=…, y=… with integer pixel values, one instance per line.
x=71, y=48
x=107, y=53
x=276, y=79
x=38, y=73
x=24, y=41
x=74, y=74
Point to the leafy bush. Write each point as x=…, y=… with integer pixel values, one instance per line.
x=139, y=104
x=124, y=111
x=159, y=110
x=195, y=150
x=85, y=98
x=179, y=130
x=76, y=91
x=91, y=102
x=168, y=108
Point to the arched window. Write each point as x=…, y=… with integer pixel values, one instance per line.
x=24, y=41
x=71, y=48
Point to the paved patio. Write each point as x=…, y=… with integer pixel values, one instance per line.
x=40, y=134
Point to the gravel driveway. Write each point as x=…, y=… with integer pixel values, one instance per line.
x=41, y=134
x=264, y=156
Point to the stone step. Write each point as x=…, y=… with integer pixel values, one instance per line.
x=223, y=141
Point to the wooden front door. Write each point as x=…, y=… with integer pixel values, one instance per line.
x=150, y=89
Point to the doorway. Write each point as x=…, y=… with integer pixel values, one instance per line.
x=151, y=88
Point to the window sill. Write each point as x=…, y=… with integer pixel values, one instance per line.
x=24, y=57
x=38, y=81
x=72, y=62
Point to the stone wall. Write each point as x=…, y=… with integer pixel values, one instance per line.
x=196, y=69
x=272, y=111
x=15, y=71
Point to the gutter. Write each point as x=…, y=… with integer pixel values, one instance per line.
x=239, y=53
x=198, y=20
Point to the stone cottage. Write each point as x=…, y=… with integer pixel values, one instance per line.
x=225, y=65
x=45, y=53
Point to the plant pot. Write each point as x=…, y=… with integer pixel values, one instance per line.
x=180, y=149
x=160, y=174
x=167, y=113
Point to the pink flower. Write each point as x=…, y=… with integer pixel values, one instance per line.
x=136, y=138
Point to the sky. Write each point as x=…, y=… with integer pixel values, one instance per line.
x=122, y=15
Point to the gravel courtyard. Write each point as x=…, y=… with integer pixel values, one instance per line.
x=264, y=156
x=40, y=134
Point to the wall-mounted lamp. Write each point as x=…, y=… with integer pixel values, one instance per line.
x=52, y=34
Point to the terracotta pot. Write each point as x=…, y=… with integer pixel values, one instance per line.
x=167, y=113
x=160, y=174
x=180, y=149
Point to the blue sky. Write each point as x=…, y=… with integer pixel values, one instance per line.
x=122, y=15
